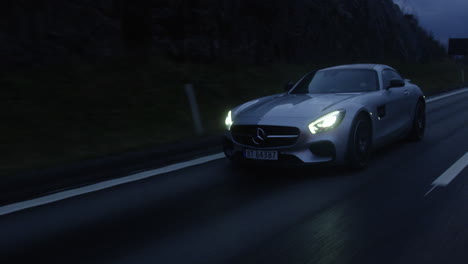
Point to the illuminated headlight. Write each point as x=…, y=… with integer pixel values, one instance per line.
x=228, y=121
x=327, y=122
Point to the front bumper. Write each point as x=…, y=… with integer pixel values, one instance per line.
x=308, y=150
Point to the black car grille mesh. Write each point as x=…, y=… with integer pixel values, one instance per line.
x=265, y=136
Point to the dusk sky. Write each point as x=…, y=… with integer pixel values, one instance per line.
x=445, y=18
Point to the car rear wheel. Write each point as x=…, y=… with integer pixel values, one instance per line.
x=419, y=123
x=360, y=143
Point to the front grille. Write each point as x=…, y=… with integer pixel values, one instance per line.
x=265, y=136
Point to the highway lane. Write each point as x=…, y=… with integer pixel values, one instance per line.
x=213, y=213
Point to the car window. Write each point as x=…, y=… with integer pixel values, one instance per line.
x=303, y=85
x=339, y=81
x=388, y=75
x=397, y=75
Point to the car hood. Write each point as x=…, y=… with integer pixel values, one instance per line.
x=292, y=105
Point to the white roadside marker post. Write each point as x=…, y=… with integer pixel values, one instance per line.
x=189, y=91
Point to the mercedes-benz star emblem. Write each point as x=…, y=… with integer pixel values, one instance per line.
x=260, y=138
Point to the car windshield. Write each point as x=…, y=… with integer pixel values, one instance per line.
x=338, y=81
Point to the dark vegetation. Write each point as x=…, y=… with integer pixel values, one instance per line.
x=87, y=78
x=38, y=32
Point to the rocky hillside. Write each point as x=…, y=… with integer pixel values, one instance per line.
x=38, y=32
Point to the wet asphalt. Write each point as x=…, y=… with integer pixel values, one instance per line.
x=217, y=213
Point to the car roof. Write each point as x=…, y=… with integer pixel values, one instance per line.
x=360, y=67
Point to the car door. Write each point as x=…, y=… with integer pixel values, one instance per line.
x=391, y=109
x=405, y=103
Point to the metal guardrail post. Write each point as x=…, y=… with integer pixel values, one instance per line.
x=189, y=91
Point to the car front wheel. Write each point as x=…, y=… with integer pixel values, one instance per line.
x=419, y=123
x=360, y=143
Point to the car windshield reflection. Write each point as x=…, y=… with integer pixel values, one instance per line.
x=338, y=81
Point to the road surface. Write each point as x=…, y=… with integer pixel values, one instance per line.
x=409, y=206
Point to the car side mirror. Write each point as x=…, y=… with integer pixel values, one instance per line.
x=288, y=86
x=396, y=83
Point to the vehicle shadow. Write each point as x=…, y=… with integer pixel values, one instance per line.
x=265, y=175
x=270, y=175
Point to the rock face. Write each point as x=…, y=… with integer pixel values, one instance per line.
x=37, y=32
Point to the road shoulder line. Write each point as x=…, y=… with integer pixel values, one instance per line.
x=439, y=97
x=11, y=208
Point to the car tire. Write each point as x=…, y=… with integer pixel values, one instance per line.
x=360, y=143
x=419, y=123
x=228, y=149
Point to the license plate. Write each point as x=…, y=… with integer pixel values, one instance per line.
x=261, y=154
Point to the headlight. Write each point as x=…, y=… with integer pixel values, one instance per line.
x=228, y=121
x=327, y=122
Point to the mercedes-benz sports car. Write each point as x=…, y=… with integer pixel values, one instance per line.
x=334, y=115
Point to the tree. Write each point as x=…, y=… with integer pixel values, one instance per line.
x=136, y=28
x=137, y=34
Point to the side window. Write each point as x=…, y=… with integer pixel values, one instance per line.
x=396, y=75
x=387, y=75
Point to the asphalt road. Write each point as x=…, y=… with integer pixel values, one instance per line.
x=214, y=213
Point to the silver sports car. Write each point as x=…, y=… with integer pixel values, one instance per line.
x=334, y=115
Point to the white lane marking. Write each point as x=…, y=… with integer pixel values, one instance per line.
x=11, y=208
x=430, y=190
x=452, y=172
x=6, y=209
x=439, y=97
